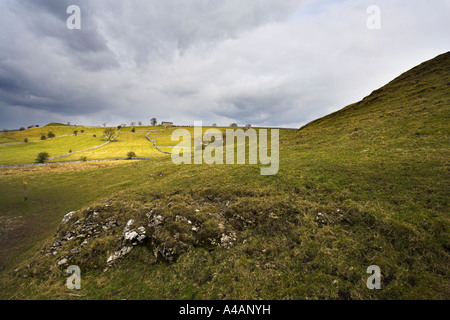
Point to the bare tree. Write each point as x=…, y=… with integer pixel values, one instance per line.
x=109, y=133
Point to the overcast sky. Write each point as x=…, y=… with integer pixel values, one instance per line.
x=264, y=62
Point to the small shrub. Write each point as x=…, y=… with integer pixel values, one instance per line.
x=22, y=128
x=25, y=140
x=131, y=155
x=50, y=135
x=95, y=136
x=75, y=132
x=82, y=131
x=42, y=157
x=70, y=151
x=133, y=130
x=83, y=158
x=43, y=137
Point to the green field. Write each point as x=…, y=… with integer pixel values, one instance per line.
x=125, y=142
x=34, y=134
x=27, y=152
x=65, y=141
x=367, y=185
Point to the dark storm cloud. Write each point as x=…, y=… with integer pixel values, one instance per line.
x=49, y=20
x=18, y=87
x=87, y=46
x=68, y=72
x=265, y=62
x=39, y=61
x=155, y=29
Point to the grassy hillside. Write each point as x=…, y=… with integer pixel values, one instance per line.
x=124, y=143
x=367, y=185
x=27, y=152
x=34, y=134
x=14, y=151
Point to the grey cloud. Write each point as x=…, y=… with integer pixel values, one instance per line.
x=154, y=29
x=20, y=88
x=265, y=62
x=87, y=46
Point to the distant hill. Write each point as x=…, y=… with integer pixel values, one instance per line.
x=53, y=124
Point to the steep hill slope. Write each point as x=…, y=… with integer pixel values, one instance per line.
x=406, y=111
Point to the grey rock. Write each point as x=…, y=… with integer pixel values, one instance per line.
x=67, y=217
x=155, y=221
x=228, y=240
x=119, y=254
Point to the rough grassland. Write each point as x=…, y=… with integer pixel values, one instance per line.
x=66, y=141
x=34, y=134
x=367, y=185
x=126, y=141
x=27, y=152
